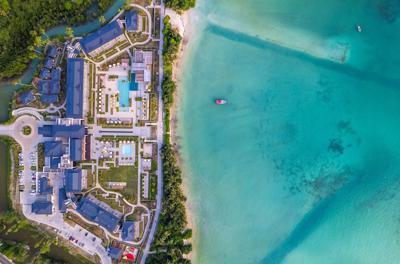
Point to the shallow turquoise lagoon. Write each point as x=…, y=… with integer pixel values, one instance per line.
x=303, y=163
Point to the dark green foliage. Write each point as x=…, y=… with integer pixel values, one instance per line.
x=180, y=5
x=169, y=239
x=43, y=259
x=172, y=40
x=22, y=22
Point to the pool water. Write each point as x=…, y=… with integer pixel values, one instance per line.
x=126, y=150
x=123, y=88
x=133, y=84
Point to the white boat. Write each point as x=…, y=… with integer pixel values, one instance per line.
x=359, y=29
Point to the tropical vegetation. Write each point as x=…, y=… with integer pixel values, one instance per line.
x=23, y=22
x=180, y=5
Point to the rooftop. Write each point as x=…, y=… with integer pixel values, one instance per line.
x=26, y=97
x=115, y=253
x=49, y=63
x=62, y=196
x=51, y=51
x=75, y=149
x=49, y=99
x=44, y=73
x=44, y=187
x=73, y=180
x=53, y=149
x=42, y=207
x=99, y=212
x=54, y=161
x=100, y=37
x=131, y=20
x=55, y=74
x=73, y=131
x=74, y=88
x=128, y=231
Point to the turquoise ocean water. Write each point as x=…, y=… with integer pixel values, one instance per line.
x=303, y=163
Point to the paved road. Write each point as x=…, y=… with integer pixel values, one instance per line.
x=160, y=141
x=5, y=260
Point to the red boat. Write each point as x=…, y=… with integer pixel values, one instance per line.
x=220, y=102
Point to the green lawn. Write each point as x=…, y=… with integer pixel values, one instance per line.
x=40, y=156
x=152, y=186
x=128, y=174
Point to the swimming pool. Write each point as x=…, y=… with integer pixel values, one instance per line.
x=133, y=84
x=126, y=149
x=123, y=88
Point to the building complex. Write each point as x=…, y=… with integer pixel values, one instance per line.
x=93, y=160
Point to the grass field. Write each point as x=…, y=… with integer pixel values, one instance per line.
x=128, y=174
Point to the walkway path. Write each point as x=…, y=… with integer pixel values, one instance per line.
x=160, y=141
x=5, y=260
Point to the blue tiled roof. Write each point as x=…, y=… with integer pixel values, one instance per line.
x=73, y=180
x=26, y=97
x=55, y=74
x=49, y=99
x=44, y=87
x=128, y=231
x=45, y=131
x=99, y=212
x=49, y=63
x=54, y=161
x=73, y=131
x=42, y=207
x=62, y=196
x=44, y=73
x=101, y=36
x=115, y=253
x=75, y=149
x=74, y=88
x=54, y=87
x=53, y=149
x=51, y=51
x=131, y=20
x=44, y=187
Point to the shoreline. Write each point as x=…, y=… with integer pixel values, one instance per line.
x=182, y=23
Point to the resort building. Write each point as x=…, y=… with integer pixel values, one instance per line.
x=62, y=131
x=44, y=187
x=115, y=253
x=53, y=150
x=100, y=213
x=49, y=90
x=131, y=21
x=50, y=75
x=128, y=231
x=141, y=68
x=25, y=97
x=51, y=51
x=44, y=74
x=62, y=198
x=74, y=103
x=102, y=39
x=42, y=205
x=68, y=145
x=73, y=180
